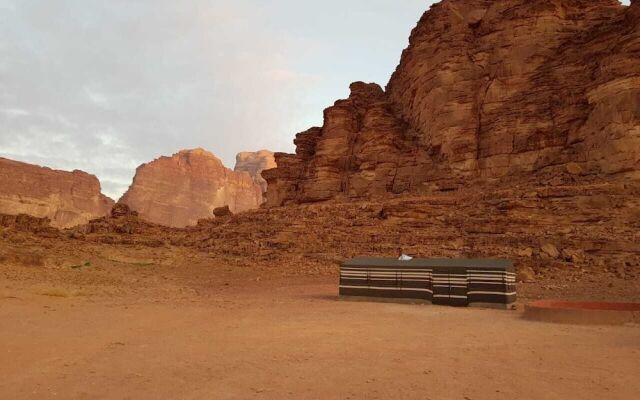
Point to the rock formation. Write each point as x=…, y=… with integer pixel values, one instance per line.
x=487, y=89
x=254, y=163
x=122, y=210
x=222, y=212
x=360, y=151
x=25, y=222
x=65, y=198
x=177, y=191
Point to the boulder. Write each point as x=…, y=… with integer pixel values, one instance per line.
x=550, y=250
x=528, y=252
x=526, y=275
x=574, y=168
x=222, y=212
x=122, y=210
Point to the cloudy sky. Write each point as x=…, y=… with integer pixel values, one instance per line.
x=104, y=86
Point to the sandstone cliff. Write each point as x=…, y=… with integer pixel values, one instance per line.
x=66, y=198
x=254, y=163
x=179, y=190
x=486, y=89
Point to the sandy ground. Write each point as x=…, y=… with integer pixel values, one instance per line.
x=225, y=333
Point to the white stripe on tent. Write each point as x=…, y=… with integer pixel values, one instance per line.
x=450, y=286
x=387, y=288
x=383, y=279
x=387, y=269
x=476, y=271
x=393, y=276
x=497, y=293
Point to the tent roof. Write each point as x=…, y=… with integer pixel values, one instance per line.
x=429, y=263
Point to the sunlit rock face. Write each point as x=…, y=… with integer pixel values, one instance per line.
x=179, y=190
x=486, y=90
x=66, y=198
x=254, y=163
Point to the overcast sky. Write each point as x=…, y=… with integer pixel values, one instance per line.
x=105, y=85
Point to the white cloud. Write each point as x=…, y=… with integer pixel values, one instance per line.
x=104, y=86
x=14, y=112
x=97, y=98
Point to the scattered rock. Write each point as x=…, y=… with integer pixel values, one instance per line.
x=457, y=244
x=222, y=212
x=550, y=250
x=23, y=222
x=526, y=275
x=122, y=210
x=75, y=235
x=574, y=168
x=573, y=255
x=621, y=272
x=528, y=252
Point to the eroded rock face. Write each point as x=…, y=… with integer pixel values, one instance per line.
x=24, y=222
x=65, y=198
x=486, y=89
x=359, y=152
x=122, y=210
x=179, y=190
x=254, y=163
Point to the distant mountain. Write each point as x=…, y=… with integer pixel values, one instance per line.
x=179, y=190
x=66, y=198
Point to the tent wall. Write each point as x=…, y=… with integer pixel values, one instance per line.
x=456, y=283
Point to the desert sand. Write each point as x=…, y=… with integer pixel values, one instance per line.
x=136, y=325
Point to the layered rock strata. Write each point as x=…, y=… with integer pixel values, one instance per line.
x=179, y=190
x=486, y=89
x=65, y=198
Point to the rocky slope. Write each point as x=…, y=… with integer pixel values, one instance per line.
x=66, y=198
x=254, y=163
x=533, y=222
x=591, y=254
x=486, y=89
x=179, y=190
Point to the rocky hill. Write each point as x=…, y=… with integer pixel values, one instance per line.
x=591, y=254
x=486, y=90
x=65, y=198
x=179, y=190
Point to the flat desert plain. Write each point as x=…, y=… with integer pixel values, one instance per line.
x=129, y=329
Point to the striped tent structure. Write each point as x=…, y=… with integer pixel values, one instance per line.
x=456, y=282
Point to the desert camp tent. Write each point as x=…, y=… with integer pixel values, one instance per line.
x=459, y=282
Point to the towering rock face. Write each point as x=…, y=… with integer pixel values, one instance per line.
x=179, y=190
x=486, y=89
x=254, y=163
x=360, y=151
x=66, y=198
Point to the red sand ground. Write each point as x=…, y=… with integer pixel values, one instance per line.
x=132, y=331
x=583, y=312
